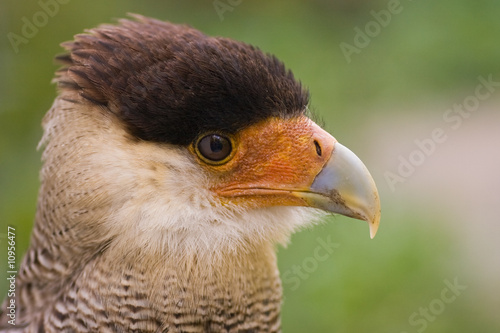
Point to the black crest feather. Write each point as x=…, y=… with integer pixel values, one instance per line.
x=170, y=82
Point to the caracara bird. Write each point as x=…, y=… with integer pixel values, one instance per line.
x=174, y=163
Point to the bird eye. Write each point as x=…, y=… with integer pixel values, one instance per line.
x=214, y=147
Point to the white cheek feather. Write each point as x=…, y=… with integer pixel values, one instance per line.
x=178, y=213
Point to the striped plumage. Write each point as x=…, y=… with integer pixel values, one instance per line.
x=137, y=229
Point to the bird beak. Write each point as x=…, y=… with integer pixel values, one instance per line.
x=345, y=186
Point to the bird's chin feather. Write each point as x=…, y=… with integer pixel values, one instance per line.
x=176, y=226
x=215, y=235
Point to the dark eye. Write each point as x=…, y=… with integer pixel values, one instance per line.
x=214, y=147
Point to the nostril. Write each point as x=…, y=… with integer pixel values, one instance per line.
x=318, y=148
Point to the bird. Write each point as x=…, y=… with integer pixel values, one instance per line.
x=174, y=164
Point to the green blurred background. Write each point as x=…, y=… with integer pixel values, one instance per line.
x=439, y=226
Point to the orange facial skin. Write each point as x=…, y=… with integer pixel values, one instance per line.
x=270, y=161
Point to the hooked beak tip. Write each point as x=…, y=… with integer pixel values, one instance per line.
x=345, y=186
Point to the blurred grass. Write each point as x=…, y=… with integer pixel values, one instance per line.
x=430, y=51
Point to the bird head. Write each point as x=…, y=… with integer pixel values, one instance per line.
x=177, y=139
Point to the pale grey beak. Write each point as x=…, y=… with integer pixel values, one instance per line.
x=345, y=186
